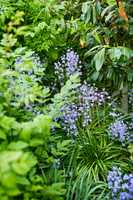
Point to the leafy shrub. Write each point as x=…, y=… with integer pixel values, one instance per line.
x=60, y=134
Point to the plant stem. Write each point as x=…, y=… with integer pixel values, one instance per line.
x=124, y=100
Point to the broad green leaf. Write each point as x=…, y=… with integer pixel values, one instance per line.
x=115, y=53
x=87, y=15
x=95, y=75
x=9, y=156
x=99, y=59
x=17, y=145
x=126, y=52
x=13, y=191
x=26, y=132
x=111, y=2
x=86, y=12
x=22, y=180
x=8, y=179
x=2, y=135
x=92, y=50
x=36, y=142
x=85, y=7
x=24, y=164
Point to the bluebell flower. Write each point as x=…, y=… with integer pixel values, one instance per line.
x=91, y=96
x=68, y=65
x=124, y=196
x=87, y=97
x=121, y=185
x=119, y=131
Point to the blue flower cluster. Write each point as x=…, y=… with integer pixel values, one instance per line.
x=25, y=86
x=29, y=64
x=87, y=97
x=90, y=96
x=67, y=66
x=69, y=119
x=121, y=185
x=119, y=131
x=71, y=115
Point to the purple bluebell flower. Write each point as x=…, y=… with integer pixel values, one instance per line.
x=124, y=196
x=69, y=118
x=119, y=131
x=91, y=96
x=121, y=185
x=87, y=97
x=68, y=65
x=72, y=62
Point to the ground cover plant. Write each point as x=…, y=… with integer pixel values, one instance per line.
x=66, y=97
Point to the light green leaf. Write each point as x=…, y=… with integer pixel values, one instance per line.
x=24, y=164
x=17, y=145
x=94, y=14
x=109, y=16
x=99, y=59
x=36, y=142
x=2, y=135
x=115, y=53
x=111, y=2
x=95, y=75
x=8, y=179
x=22, y=180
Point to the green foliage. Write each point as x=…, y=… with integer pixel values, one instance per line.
x=93, y=155
x=14, y=168
x=130, y=149
x=66, y=95
x=37, y=162
x=18, y=141
x=28, y=152
x=112, y=33
x=99, y=59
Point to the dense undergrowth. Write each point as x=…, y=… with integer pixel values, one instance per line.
x=66, y=97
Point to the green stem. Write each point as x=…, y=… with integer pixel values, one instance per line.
x=124, y=100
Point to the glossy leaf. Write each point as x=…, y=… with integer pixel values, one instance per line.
x=99, y=59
